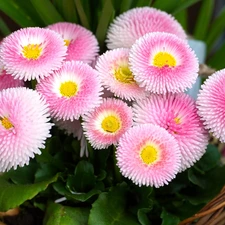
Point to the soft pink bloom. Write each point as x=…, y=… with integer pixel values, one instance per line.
x=8, y=81
x=24, y=126
x=71, y=91
x=162, y=63
x=82, y=44
x=210, y=103
x=116, y=76
x=32, y=53
x=74, y=128
x=148, y=155
x=105, y=125
x=134, y=23
x=177, y=113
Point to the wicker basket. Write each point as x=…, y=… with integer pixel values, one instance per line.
x=212, y=214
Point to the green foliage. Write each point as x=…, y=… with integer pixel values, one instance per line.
x=13, y=195
x=110, y=207
x=63, y=215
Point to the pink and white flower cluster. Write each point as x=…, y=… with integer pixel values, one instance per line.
x=132, y=96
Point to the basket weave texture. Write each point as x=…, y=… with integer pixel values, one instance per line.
x=212, y=214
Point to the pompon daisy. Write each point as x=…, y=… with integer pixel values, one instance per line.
x=74, y=128
x=148, y=155
x=177, y=113
x=82, y=44
x=162, y=63
x=8, y=81
x=210, y=104
x=24, y=126
x=116, y=76
x=71, y=91
x=32, y=53
x=134, y=23
x=104, y=126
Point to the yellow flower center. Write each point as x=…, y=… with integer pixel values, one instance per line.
x=68, y=89
x=6, y=123
x=164, y=59
x=177, y=120
x=32, y=51
x=110, y=124
x=67, y=42
x=124, y=75
x=149, y=154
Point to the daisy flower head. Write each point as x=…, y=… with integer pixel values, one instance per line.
x=116, y=76
x=210, y=103
x=105, y=125
x=177, y=113
x=148, y=155
x=81, y=44
x=162, y=63
x=24, y=126
x=74, y=128
x=71, y=91
x=134, y=23
x=32, y=53
x=8, y=81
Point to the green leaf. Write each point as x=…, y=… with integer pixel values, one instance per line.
x=82, y=15
x=23, y=175
x=196, y=178
x=141, y=3
x=82, y=197
x=168, y=218
x=69, y=11
x=167, y=6
x=184, y=4
x=173, y=6
x=57, y=214
x=142, y=217
x=104, y=21
x=4, y=29
x=45, y=172
x=47, y=11
x=13, y=195
x=213, y=183
x=216, y=29
x=125, y=5
x=182, y=18
x=113, y=204
x=203, y=20
x=83, y=179
x=215, y=61
x=16, y=13
x=209, y=160
x=30, y=10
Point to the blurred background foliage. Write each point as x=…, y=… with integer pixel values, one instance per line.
x=202, y=19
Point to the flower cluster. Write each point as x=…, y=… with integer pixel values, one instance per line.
x=132, y=96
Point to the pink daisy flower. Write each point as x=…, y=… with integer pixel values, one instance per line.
x=81, y=44
x=71, y=91
x=162, y=63
x=74, y=128
x=32, y=53
x=177, y=113
x=8, y=81
x=105, y=125
x=210, y=103
x=24, y=126
x=148, y=155
x=134, y=23
x=116, y=76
